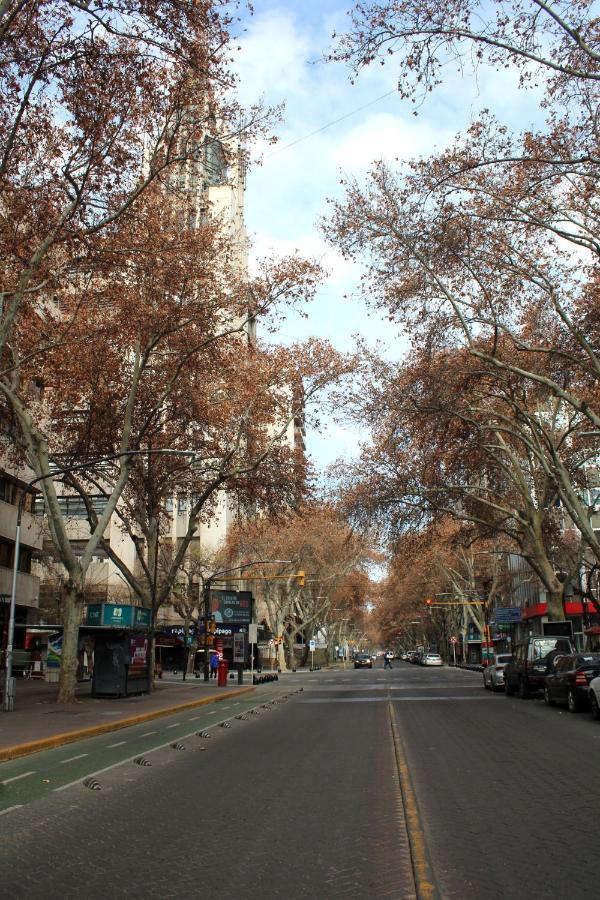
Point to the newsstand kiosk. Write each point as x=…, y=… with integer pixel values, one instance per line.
x=121, y=649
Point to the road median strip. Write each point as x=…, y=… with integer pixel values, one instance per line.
x=68, y=737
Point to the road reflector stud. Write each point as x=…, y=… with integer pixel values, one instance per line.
x=92, y=784
x=142, y=761
x=177, y=746
x=225, y=724
x=203, y=734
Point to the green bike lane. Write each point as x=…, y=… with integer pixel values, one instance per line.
x=29, y=778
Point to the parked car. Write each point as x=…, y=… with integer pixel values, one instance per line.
x=532, y=661
x=569, y=682
x=594, y=697
x=493, y=674
x=432, y=659
x=363, y=661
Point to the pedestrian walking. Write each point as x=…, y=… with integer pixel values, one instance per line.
x=387, y=659
x=214, y=665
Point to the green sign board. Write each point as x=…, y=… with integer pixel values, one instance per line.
x=142, y=616
x=118, y=615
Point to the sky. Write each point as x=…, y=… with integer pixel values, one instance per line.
x=280, y=61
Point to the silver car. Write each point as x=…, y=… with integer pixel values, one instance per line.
x=432, y=659
x=493, y=675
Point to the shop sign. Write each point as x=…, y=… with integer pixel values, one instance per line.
x=142, y=616
x=117, y=615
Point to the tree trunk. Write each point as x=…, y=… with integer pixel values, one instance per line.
x=554, y=600
x=72, y=606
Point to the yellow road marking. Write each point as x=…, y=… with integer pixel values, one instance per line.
x=423, y=874
x=68, y=737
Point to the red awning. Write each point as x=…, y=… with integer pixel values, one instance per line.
x=572, y=608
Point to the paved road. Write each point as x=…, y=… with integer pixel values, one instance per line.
x=367, y=783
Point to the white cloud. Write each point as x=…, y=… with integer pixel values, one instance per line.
x=389, y=137
x=273, y=51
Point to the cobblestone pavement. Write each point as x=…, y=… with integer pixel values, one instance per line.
x=304, y=800
x=508, y=791
x=299, y=801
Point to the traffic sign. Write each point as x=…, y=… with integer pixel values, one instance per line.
x=453, y=640
x=312, y=646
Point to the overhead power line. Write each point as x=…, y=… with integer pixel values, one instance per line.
x=347, y=115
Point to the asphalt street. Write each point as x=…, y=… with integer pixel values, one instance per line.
x=414, y=782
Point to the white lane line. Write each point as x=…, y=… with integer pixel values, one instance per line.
x=193, y=718
x=213, y=712
x=16, y=777
x=393, y=699
x=224, y=707
x=10, y=809
x=118, y=744
x=72, y=758
x=123, y=762
x=174, y=725
x=148, y=733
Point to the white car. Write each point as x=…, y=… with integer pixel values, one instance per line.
x=493, y=675
x=432, y=659
x=594, y=696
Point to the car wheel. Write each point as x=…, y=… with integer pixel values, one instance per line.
x=594, y=705
x=548, y=697
x=523, y=689
x=485, y=684
x=573, y=703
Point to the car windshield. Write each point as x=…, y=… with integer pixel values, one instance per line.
x=504, y=658
x=433, y=655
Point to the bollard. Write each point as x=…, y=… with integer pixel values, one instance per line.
x=222, y=673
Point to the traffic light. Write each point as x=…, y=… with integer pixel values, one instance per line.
x=428, y=601
x=300, y=578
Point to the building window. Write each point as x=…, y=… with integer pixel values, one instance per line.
x=215, y=164
x=6, y=554
x=74, y=507
x=8, y=491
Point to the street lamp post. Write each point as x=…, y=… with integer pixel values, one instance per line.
x=8, y=700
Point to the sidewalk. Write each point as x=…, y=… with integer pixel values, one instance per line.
x=37, y=722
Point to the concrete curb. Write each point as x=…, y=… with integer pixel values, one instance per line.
x=68, y=737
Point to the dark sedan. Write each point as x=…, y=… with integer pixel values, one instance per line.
x=569, y=682
x=363, y=661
